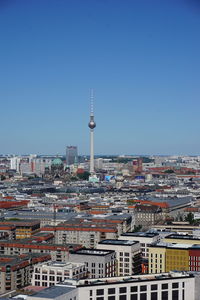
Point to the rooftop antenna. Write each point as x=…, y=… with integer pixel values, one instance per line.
x=92, y=102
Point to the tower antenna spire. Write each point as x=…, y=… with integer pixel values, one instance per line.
x=92, y=102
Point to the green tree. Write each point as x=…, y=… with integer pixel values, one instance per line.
x=83, y=176
x=169, y=171
x=190, y=218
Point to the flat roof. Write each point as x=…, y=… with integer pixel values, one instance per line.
x=118, y=242
x=97, y=252
x=141, y=234
x=53, y=292
x=182, y=237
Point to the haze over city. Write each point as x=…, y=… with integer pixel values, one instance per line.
x=140, y=57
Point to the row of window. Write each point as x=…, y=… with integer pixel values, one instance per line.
x=135, y=289
x=143, y=296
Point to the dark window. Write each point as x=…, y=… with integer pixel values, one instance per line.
x=183, y=295
x=164, y=286
x=175, y=295
x=111, y=291
x=143, y=288
x=134, y=297
x=111, y=297
x=100, y=292
x=122, y=290
x=183, y=284
x=165, y=295
x=143, y=296
x=175, y=285
x=154, y=287
x=154, y=296
x=134, y=289
x=90, y=292
x=100, y=298
x=122, y=297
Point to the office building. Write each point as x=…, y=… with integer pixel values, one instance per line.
x=71, y=155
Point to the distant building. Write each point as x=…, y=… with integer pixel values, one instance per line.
x=15, y=271
x=49, y=273
x=71, y=155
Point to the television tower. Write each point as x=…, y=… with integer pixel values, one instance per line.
x=92, y=125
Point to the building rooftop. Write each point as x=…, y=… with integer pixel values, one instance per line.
x=53, y=292
x=118, y=242
x=97, y=252
x=141, y=234
x=182, y=237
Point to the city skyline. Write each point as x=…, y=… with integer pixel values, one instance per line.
x=142, y=59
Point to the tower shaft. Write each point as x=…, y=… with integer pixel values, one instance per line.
x=91, y=151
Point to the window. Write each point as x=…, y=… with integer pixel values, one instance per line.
x=134, y=297
x=183, y=284
x=165, y=295
x=90, y=292
x=175, y=295
x=134, y=289
x=143, y=288
x=111, y=291
x=154, y=287
x=143, y=296
x=122, y=290
x=126, y=254
x=100, y=298
x=122, y=297
x=183, y=293
x=100, y=292
x=154, y=296
x=175, y=285
x=111, y=297
x=164, y=286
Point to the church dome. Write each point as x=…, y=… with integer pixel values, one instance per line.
x=57, y=162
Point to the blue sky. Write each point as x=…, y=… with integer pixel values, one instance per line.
x=140, y=56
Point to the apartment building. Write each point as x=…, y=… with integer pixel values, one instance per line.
x=147, y=215
x=164, y=257
x=16, y=271
x=144, y=238
x=57, y=252
x=99, y=263
x=128, y=255
x=87, y=235
x=22, y=229
x=170, y=286
x=49, y=273
x=19, y=229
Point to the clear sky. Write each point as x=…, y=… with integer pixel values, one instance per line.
x=142, y=57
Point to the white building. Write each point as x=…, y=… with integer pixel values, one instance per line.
x=144, y=238
x=50, y=273
x=170, y=286
x=128, y=255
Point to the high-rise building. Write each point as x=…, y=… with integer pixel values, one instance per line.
x=92, y=125
x=71, y=155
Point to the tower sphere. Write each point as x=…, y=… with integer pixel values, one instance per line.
x=92, y=124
